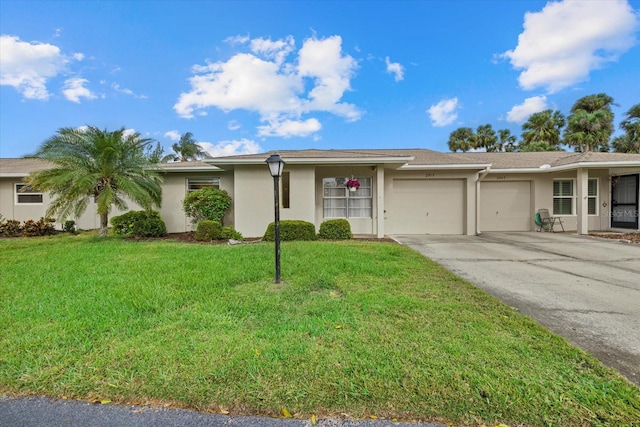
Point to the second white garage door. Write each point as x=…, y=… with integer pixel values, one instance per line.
x=505, y=206
x=420, y=206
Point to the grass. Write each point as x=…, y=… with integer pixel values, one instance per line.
x=357, y=328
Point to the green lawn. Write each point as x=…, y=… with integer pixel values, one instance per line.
x=357, y=328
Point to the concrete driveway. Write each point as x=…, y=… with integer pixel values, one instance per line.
x=584, y=289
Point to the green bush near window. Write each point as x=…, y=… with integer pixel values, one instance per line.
x=230, y=233
x=291, y=230
x=208, y=230
x=206, y=204
x=335, y=229
x=139, y=224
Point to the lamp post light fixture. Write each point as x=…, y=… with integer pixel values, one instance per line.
x=276, y=164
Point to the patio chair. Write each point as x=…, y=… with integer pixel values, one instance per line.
x=546, y=222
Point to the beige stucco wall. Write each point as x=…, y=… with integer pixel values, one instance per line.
x=467, y=203
x=542, y=195
x=251, y=190
x=9, y=209
x=174, y=190
x=358, y=225
x=254, y=200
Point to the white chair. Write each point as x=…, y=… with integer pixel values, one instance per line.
x=546, y=222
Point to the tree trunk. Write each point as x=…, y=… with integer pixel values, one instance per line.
x=104, y=224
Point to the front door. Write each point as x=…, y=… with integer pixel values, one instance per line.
x=624, y=202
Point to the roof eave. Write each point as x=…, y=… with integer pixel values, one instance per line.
x=317, y=161
x=13, y=174
x=188, y=169
x=457, y=166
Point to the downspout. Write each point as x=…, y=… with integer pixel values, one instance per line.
x=481, y=175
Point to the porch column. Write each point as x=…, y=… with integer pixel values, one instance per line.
x=380, y=200
x=582, y=201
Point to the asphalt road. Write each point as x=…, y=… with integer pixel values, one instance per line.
x=44, y=412
x=583, y=288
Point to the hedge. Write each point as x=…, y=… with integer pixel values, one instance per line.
x=291, y=230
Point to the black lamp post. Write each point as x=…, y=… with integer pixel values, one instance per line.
x=276, y=164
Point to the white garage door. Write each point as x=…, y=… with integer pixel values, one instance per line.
x=420, y=206
x=505, y=206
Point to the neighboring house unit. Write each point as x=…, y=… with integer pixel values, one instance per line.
x=413, y=191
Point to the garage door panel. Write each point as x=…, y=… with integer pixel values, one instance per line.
x=505, y=206
x=419, y=206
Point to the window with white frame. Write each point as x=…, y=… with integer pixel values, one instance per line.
x=340, y=202
x=564, y=196
x=25, y=195
x=199, y=183
x=592, y=196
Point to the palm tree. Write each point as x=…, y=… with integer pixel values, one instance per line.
x=462, y=139
x=590, y=124
x=630, y=141
x=154, y=154
x=589, y=131
x=506, y=141
x=186, y=150
x=486, y=138
x=542, y=130
x=89, y=163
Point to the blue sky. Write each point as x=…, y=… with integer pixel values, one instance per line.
x=253, y=76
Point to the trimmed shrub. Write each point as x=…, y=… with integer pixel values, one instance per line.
x=69, y=226
x=206, y=203
x=335, y=229
x=291, y=230
x=41, y=227
x=139, y=224
x=149, y=227
x=230, y=233
x=208, y=230
x=10, y=228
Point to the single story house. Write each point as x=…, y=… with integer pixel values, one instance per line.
x=402, y=191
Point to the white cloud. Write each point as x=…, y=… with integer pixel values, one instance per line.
x=280, y=89
x=28, y=66
x=173, y=135
x=237, y=40
x=74, y=89
x=395, y=68
x=78, y=56
x=565, y=41
x=519, y=113
x=127, y=91
x=231, y=147
x=128, y=132
x=444, y=112
x=233, y=125
x=277, y=50
x=289, y=128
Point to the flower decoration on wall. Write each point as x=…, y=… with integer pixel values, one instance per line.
x=352, y=184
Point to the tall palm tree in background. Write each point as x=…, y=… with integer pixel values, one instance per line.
x=506, y=141
x=541, y=132
x=486, y=138
x=462, y=139
x=630, y=141
x=89, y=163
x=590, y=124
x=186, y=150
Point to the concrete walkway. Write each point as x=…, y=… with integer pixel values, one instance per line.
x=584, y=289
